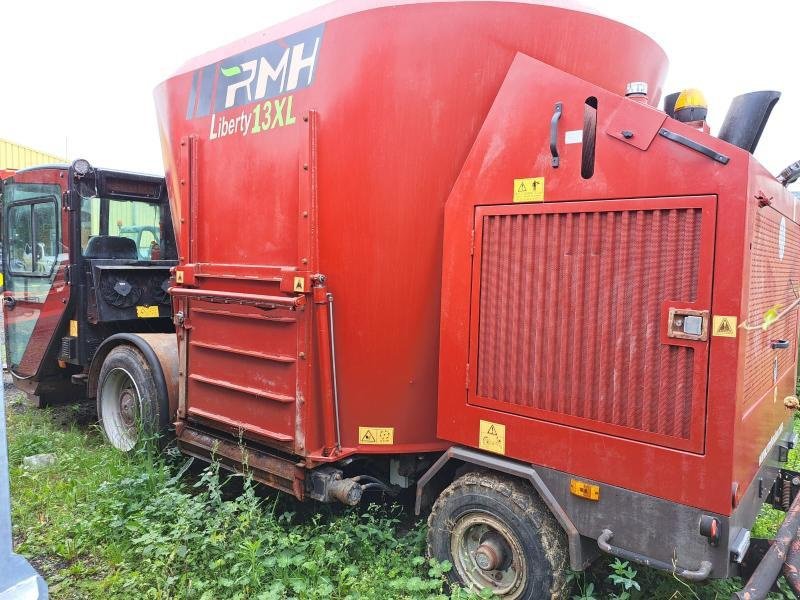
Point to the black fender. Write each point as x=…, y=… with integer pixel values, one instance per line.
x=580, y=554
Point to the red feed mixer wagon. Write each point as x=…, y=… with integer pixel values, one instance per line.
x=456, y=247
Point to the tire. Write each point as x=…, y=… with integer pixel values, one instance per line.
x=498, y=534
x=129, y=409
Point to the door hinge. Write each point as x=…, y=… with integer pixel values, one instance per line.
x=466, y=382
x=472, y=243
x=69, y=201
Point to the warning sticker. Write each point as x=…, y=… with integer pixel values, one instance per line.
x=492, y=437
x=73, y=328
x=724, y=326
x=299, y=284
x=375, y=436
x=530, y=189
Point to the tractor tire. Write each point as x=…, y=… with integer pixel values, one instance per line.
x=498, y=534
x=129, y=409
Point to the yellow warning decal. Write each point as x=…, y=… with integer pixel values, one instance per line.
x=530, y=189
x=73, y=328
x=147, y=312
x=299, y=284
x=178, y=276
x=492, y=437
x=724, y=326
x=375, y=436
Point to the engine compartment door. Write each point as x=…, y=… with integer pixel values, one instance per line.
x=570, y=315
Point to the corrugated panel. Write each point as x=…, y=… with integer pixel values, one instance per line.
x=774, y=281
x=570, y=306
x=242, y=368
x=14, y=156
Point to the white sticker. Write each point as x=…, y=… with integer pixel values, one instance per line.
x=763, y=456
x=782, y=238
x=573, y=137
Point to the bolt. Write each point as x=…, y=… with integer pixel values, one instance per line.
x=305, y=214
x=302, y=355
x=627, y=134
x=305, y=119
x=305, y=167
x=304, y=261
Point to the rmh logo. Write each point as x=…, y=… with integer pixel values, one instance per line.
x=260, y=73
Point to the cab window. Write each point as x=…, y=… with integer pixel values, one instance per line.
x=33, y=237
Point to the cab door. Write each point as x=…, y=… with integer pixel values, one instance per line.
x=34, y=261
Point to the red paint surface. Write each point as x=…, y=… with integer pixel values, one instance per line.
x=725, y=444
x=418, y=121
x=400, y=93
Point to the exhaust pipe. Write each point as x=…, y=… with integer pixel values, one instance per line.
x=747, y=117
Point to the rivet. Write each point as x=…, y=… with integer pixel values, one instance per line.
x=305, y=167
x=305, y=118
x=302, y=355
x=304, y=261
x=627, y=134
x=305, y=213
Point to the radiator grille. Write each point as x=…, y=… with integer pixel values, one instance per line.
x=569, y=315
x=773, y=281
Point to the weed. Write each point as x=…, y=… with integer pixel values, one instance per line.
x=99, y=523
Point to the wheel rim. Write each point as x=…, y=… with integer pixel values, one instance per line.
x=487, y=554
x=120, y=405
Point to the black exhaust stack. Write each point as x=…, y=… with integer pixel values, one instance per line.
x=747, y=117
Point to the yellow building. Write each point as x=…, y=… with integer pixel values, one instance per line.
x=14, y=156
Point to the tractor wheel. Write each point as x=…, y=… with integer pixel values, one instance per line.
x=499, y=535
x=128, y=407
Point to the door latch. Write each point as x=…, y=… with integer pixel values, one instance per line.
x=687, y=324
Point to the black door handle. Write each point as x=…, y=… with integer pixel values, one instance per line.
x=554, y=135
x=779, y=344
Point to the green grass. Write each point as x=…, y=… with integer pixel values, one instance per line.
x=100, y=524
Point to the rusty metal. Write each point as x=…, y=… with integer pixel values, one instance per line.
x=281, y=473
x=257, y=300
x=699, y=574
x=346, y=491
x=166, y=350
x=765, y=574
x=791, y=567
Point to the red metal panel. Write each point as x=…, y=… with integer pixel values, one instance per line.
x=242, y=365
x=665, y=175
x=774, y=284
x=388, y=150
x=567, y=315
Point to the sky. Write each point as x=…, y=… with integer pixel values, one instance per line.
x=78, y=78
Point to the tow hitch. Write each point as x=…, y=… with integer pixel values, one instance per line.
x=784, y=551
